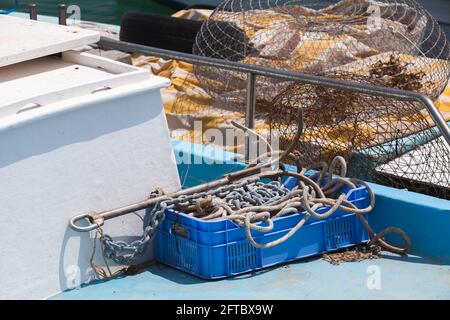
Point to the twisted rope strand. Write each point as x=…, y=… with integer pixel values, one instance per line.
x=254, y=204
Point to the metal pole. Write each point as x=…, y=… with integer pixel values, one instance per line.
x=98, y=219
x=435, y=115
x=62, y=14
x=250, y=111
x=32, y=8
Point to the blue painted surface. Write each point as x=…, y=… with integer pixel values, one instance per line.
x=235, y=255
x=411, y=278
x=424, y=275
x=11, y=9
x=205, y=163
x=424, y=218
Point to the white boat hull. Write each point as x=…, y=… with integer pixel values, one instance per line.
x=91, y=152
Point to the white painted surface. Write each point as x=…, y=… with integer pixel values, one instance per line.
x=31, y=82
x=24, y=39
x=43, y=75
x=72, y=75
x=77, y=153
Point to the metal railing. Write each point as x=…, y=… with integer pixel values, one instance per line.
x=253, y=71
x=62, y=12
x=96, y=220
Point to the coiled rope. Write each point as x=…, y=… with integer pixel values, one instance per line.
x=253, y=204
x=257, y=202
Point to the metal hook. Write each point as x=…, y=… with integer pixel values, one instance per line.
x=93, y=224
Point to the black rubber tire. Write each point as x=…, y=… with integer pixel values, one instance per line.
x=201, y=6
x=159, y=31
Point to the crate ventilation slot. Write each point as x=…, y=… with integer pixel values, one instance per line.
x=241, y=256
x=339, y=232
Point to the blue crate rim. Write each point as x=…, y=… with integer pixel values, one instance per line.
x=261, y=235
x=176, y=212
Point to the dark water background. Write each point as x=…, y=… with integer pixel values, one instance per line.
x=110, y=11
x=106, y=11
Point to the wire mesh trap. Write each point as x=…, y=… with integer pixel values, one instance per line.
x=395, y=44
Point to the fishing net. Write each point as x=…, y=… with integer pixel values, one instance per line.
x=396, y=44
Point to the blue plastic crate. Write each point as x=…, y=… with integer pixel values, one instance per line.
x=219, y=249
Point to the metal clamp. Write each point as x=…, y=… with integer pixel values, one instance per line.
x=88, y=216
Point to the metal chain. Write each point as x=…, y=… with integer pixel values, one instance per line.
x=251, y=201
x=125, y=253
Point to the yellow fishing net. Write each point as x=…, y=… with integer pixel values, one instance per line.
x=384, y=43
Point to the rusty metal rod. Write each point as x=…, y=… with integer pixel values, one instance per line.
x=62, y=14
x=250, y=111
x=32, y=8
x=97, y=219
x=108, y=43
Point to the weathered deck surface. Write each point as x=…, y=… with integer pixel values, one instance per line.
x=425, y=219
x=401, y=278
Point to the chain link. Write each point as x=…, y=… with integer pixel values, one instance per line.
x=251, y=201
x=243, y=194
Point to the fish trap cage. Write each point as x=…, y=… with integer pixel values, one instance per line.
x=391, y=44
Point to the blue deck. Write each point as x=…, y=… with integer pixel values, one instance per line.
x=423, y=275
x=410, y=278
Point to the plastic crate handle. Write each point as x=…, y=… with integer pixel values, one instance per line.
x=178, y=230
